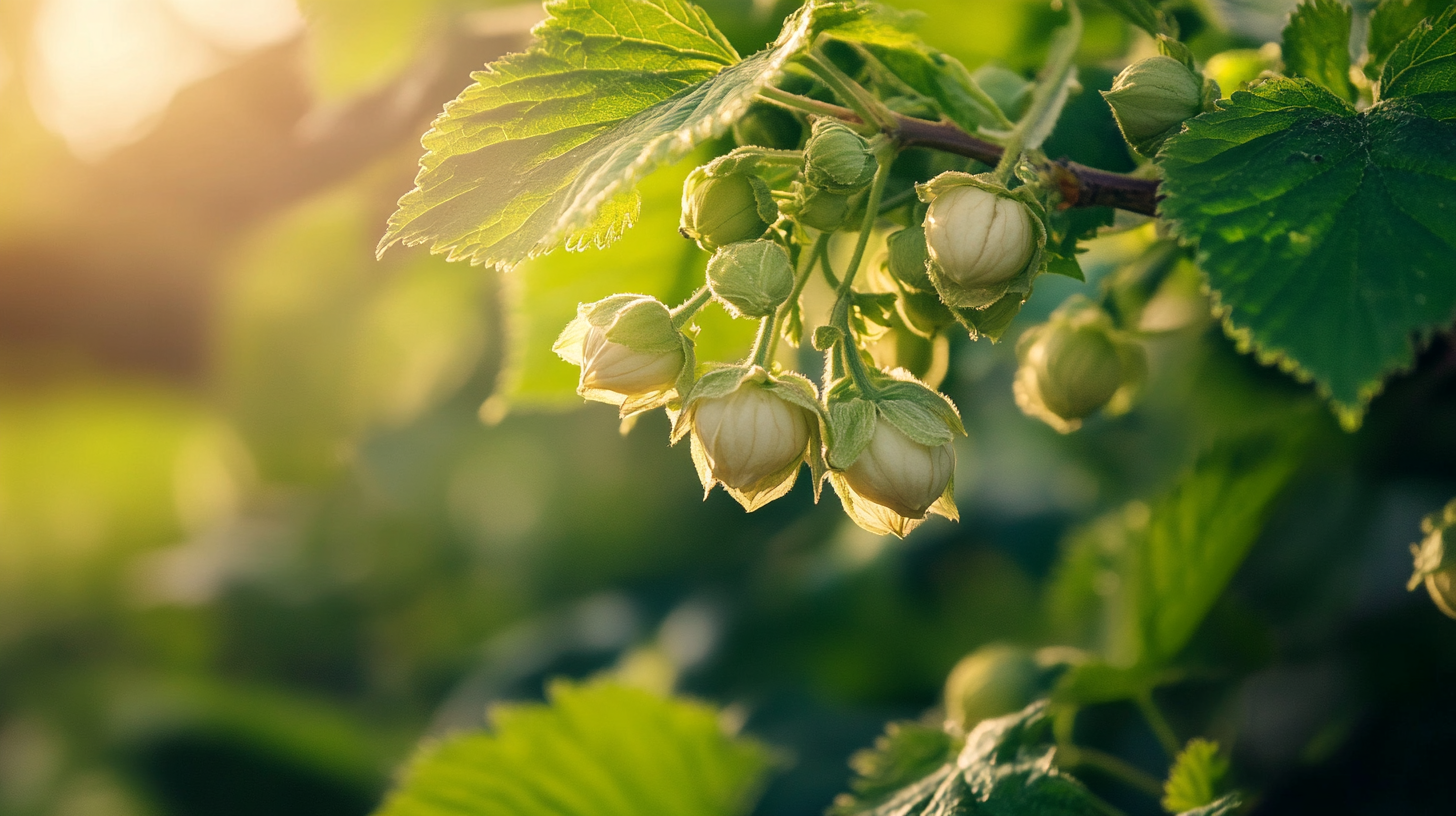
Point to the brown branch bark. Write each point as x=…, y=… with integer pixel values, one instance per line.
x=1080, y=185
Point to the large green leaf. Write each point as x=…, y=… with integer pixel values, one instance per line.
x=1317, y=45
x=1183, y=552
x=1328, y=235
x=544, y=149
x=1006, y=768
x=1391, y=22
x=596, y=750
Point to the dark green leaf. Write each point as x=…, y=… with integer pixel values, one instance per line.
x=1391, y=22
x=595, y=750
x=544, y=149
x=1183, y=552
x=1328, y=236
x=1423, y=67
x=906, y=753
x=1007, y=768
x=1317, y=45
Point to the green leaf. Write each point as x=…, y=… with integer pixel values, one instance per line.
x=1423, y=67
x=595, y=750
x=545, y=148
x=1393, y=21
x=1317, y=45
x=1182, y=553
x=906, y=753
x=1327, y=235
x=1006, y=767
x=1195, y=777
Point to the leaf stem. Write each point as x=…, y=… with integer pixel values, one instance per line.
x=862, y=102
x=684, y=313
x=801, y=279
x=1080, y=757
x=1164, y=731
x=763, y=343
x=1049, y=96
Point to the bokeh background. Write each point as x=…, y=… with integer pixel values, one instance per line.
x=272, y=511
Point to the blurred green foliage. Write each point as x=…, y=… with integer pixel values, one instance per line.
x=250, y=583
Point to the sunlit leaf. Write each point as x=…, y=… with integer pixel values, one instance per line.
x=1194, y=780
x=544, y=149
x=594, y=750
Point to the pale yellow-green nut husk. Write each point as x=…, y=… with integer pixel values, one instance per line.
x=979, y=239
x=907, y=258
x=749, y=435
x=837, y=159
x=1077, y=369
x=898, y=473
x=722, y=210
x=627, y=348
x=1151, y=99
x=994, y=680
x=1435, y=559
x=751, y=278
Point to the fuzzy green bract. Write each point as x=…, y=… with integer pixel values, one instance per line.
x=544, y=149
x=597, y=749
x=1328, y=235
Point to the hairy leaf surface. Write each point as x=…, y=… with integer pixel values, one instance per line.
x=1391, y=22
x=1328, y=236
x=544, y=149
x=596, y=750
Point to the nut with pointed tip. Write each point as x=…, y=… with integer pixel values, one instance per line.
x=718, y=210
x=629, y=352
x=1152, y=98
x=751, y=430
x=908, y=257
x=900, y=474
x=977, y=238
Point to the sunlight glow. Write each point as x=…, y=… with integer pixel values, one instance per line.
x=104, y=70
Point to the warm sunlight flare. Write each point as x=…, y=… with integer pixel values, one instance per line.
x=104, y=70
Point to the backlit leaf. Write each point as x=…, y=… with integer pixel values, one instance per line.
x=1317, y=45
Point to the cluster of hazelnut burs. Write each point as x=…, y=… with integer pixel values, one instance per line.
x=962, y=247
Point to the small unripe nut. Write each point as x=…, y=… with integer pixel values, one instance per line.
x=749, y=435
x=908, y=257
x=897, y=472
x=992, y=681
x=837, y=159
x=1074, y=364
x=818, y=208
x=752, y=278
x=627, y=347
x=1435, y=559
x=718, y=210
x=1151, y=99
x=977, y=238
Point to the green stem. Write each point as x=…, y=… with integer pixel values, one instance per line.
x=840, y=316
x=1079, y=757
x=1048, y=92
x=1164, y=731
x=763, y=343
x=801, y=279
x=870, y=109
x=684, y=313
